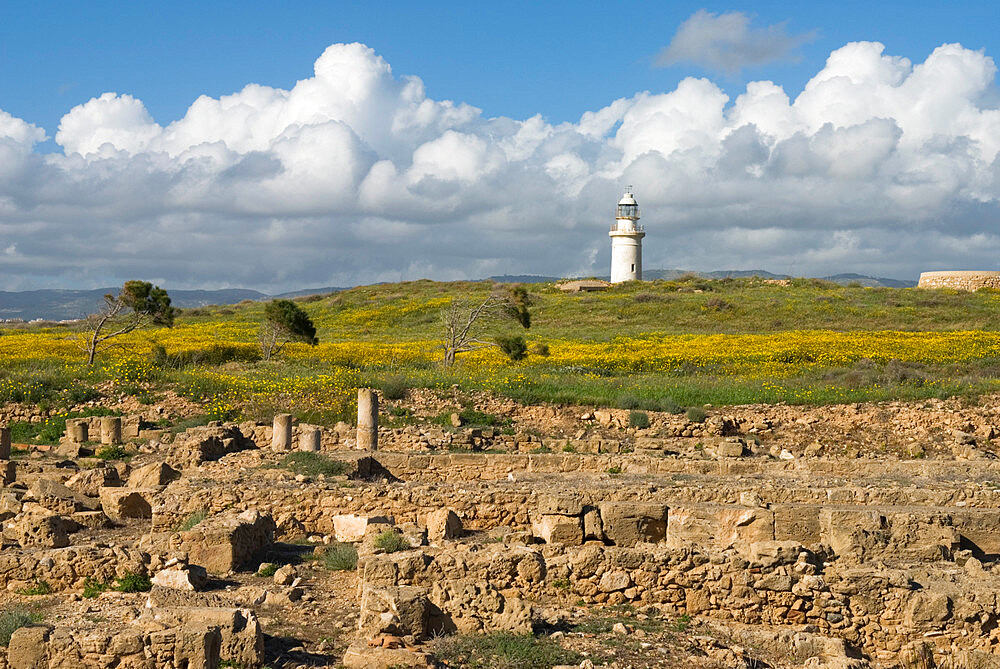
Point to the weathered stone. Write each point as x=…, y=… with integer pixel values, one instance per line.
x=309, y=439
x=628, y=523
x=59, y=498
x=399, y=610
x=90, y=481
x=226, y=542
x=367, y=419
x=443, y=524
x=612, y=581
x=928, y=609
x=121, y=504
x=111, y=430
x=361, y=655
x=152, y=475
x=192, y=578
x=281, y=434
x=241, y=641
x=41, y=529
x=28, y=648
x=555, y=529
x=4, y=443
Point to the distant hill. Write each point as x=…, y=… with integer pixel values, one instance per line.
x=672, y=274
x=60, y=305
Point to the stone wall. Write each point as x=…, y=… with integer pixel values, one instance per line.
x=960, y=280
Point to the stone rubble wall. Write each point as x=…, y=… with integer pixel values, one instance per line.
x=971, y=281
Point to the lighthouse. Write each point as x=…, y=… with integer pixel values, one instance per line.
x=626, y=241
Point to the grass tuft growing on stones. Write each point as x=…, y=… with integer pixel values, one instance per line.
x=502, y=650
x=391, y=542
x=312, y=464
x=39, y=588
x=14, y=619
x=112, y=452
x=191, y=521
x=338, y=556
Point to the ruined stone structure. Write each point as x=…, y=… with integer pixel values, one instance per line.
x=964, y=280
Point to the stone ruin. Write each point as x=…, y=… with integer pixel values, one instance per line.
x=804, y=529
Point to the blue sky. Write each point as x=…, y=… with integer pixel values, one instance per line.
x=343, y=143
x=515, y=59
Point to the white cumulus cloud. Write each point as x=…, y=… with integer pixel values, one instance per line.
x=879, y=166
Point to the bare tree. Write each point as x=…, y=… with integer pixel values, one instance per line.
x=466, y=322
x=137, y=304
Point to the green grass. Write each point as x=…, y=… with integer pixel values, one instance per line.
x=112, y=452
x=391, y=542
x=269, y=570
x=132, y=582
x=192, y=520
x=92, y=588
x=39, y=588
x=338, y=556
x=638, y=419
x=502, y=650
x=14, y=619
x=312, y=464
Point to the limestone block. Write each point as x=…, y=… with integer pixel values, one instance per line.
x=362, y=655
x=592, y=526
x=399, y=610
x=564, y=505
x=8, y=471
x=59, y=498
x=770, y=554
x=192, y=578
x=613, y=581
x=152, y=475
x=628, y=523
x=351, y=528
x=474, y=606
x=927, y=609
x=90, y=481
x=121, y=504
x=94, y=520
x=77, y=430
x=41, y=529
x=557, y=529
x=226, y=542
x=241, y=641
x=4, y=443
x=731, y=447
x=443, y=524
x=739, y=527
x=28, y=648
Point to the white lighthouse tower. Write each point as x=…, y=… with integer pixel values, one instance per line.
x=626, y=241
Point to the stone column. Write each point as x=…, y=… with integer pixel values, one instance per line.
x=281, y=439
x=309, y=438
x=4, y=443
x=367, y=419
x=78, y=431
x=111, y=430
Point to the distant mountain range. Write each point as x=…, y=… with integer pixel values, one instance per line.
x=670, y=274
x=60, y=305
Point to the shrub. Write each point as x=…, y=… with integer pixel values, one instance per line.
x=39, y=588
x=339, y=557
x=614, y=471
x=394, y=387
x=513, y=346
x=697, y=415
x=111, y=452
x=132, y=582
x=15, y=619
x=391, y=542
x=628, y=401
x=269, y=570
x=92, y=588
x=638, y=419
x=669, y=405
x=540, y=349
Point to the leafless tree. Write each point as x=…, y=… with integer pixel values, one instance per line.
x=136, y=305
x=466, y=322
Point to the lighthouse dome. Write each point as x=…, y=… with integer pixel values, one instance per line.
x=627, y=199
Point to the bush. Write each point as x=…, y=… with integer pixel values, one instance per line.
x=339, y=557
x=628, y=401
x=540, y=349
x=669, y=405
x=513, y=346
x=132, y=582
x=638, y=419
x=312, y=464
x=39, y=588
x=111, y=452
x=391, y=542
x=394, y=387
x=14, y=619
x=92, y=588
x=697, y=415
x=269, y=570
